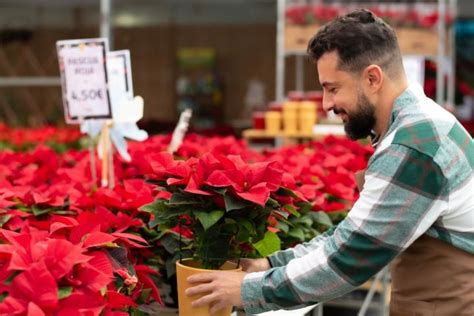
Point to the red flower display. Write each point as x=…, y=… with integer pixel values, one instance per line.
x=71, y=248
x=402, y=16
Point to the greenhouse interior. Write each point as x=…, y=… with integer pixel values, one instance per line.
x=237, y=157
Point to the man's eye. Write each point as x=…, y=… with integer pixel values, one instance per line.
x=332, y=90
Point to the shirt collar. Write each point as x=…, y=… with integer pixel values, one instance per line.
x=408, y=98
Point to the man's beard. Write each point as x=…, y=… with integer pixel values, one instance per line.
x=361, y=123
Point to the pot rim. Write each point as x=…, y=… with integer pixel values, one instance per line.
x=182, y=263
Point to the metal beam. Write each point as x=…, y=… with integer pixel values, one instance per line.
x=29, y=81
x=280, y=51
x=441, y=52
x=452, y=53
x=299, y=75
x=106, y=21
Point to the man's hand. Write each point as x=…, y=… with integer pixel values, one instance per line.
x=220, y=289
x=254, y=265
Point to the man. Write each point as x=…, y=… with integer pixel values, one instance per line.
x=416, y=207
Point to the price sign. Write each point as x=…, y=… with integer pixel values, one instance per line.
x=84, y=79
x=120, y=82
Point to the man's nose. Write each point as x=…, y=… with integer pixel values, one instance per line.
x=328, y=104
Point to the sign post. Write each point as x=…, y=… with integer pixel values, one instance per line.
x=98, y=94
x=84, y=81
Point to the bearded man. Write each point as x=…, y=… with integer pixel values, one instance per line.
x=416, y=205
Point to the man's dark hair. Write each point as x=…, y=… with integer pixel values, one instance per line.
x=360, y=38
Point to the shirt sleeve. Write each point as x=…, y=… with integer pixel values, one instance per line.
x=403, y=195
x=282, y=257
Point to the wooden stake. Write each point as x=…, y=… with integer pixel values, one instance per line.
x=92, y=162
x=105, y=139
x=111, y=161
x=90, y=143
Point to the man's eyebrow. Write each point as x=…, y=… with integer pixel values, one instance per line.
x=325, y=84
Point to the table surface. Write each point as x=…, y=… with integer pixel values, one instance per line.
x=319, y=130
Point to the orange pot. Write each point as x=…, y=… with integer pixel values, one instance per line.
x=184, y=269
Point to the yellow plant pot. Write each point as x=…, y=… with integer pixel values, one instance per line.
x=184, y=269
x=306, y=107
x=273, y=122
x=307, y=123
x=290, y=124
x=307, y=116
x=290, y=117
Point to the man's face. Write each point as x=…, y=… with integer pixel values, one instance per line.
x=343, y=94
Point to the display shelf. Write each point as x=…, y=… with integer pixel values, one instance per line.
x=291, y=41
x=261, y=133
x=287, y=138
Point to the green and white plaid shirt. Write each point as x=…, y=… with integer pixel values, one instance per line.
x=420, y=180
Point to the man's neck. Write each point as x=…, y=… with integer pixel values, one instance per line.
x=391, y=91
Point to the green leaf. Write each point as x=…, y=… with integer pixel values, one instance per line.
x=38, y=211
x=322, y=218
x=268, y=245
x=290, y=208
x=243, y=235
x=159, y=183
x=170, y=243
x=247, y=225
x=4, y=219
x=281, y=214
x=296, y=233
x=65, y=212
x=209, y=219
x=233, y=203
x=272, y=203
x=137, y=311
x=283, y=227
x=177, y=236
x=230, y=228
x=230, y=221
x=304, y=220
x=145, y=293
x=9, y=280
x=179, y=198
x=304, y=207
x=64, y=291
x=221, y=191
x=286, y=192
x=156, y=206
x=165, y=219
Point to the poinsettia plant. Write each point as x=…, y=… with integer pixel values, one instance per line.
x=219, y=207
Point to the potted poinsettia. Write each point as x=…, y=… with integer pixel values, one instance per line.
x=216, y=208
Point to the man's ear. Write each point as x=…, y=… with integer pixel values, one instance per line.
x=374, y=77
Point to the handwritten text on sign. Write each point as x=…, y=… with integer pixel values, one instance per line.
x=84, y=80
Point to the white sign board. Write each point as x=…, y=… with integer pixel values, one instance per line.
x=120, y=80
x=84, y=79
x=414, y=68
